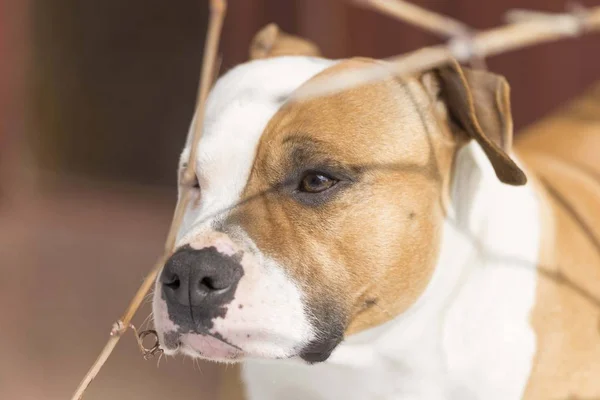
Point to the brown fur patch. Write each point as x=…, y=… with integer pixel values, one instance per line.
x=564, y=154
x=362, y=241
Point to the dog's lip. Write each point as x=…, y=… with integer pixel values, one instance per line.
x=232, y=353
x=213, y=347
x=236, y=355
x=233, y=356
x=209, y=347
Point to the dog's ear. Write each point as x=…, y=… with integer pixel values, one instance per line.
x=478, y=102
x=270, y=41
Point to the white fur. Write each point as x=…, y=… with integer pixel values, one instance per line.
x=467, y=337
x=267, y=316
x=237, y=112
x=272, y=322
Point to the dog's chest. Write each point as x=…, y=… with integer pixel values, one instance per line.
x=414, y=367
x=373, y=376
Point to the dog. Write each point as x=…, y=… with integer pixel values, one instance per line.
x=387, y=241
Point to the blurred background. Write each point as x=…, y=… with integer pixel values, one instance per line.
x=95, y=101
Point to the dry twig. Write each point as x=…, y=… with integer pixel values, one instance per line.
x=439, y=24
x=482, y=44
x=217, y=14
x=420, y=17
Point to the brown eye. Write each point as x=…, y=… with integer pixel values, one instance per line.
x=314, y=182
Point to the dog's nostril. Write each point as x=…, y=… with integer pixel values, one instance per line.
x=173, y=282
x=209, y=283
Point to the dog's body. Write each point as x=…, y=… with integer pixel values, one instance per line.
x=372, y=251
x=563, y=155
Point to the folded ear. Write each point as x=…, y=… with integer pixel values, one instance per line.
x=479, y=103
x=270, y=41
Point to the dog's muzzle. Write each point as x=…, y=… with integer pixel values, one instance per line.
x=224, y=301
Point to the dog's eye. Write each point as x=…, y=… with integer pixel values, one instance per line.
x=315, y=182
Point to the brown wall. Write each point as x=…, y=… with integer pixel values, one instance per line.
x=14, y=61
x=115, y=81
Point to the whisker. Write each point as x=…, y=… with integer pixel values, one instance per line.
x=145, y=323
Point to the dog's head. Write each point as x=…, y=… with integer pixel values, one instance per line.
x=313, y=220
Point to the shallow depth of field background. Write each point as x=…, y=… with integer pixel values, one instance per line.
x=95, y=101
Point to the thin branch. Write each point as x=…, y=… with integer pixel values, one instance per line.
x=482, y=44
x=423, y=18
x=431, y=21
x=217, y=15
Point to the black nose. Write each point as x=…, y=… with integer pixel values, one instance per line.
x=203, y=277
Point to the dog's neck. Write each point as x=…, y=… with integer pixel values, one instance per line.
x=473, y=313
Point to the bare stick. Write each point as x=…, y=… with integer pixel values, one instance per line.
x=217, y=14
x=440, y=24
x=418, y=16
x=485, y=43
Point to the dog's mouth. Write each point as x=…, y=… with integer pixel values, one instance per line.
x=215, y=347
x=210, y=347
